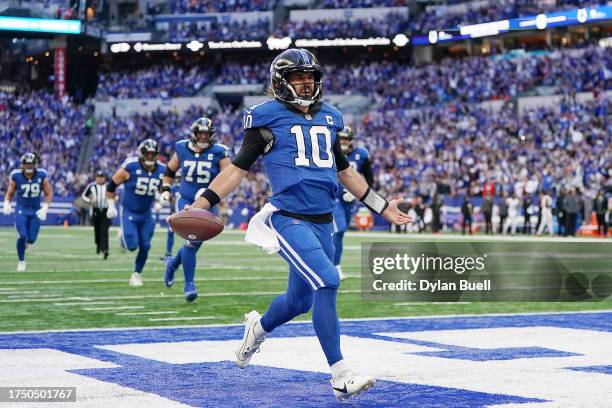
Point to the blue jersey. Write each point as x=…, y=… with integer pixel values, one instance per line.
x=357, y=159
x=28, y=192
x=141, y=187
x=198, y=169
x=300, y=163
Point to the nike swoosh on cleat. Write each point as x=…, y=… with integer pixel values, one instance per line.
x=340, y=389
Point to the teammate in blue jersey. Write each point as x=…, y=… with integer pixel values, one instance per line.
x=27, y=184
x=296, y=134
x=359, y=159
x=199, y=159
x=142, y=178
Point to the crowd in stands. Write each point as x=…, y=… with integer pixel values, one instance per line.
x=52, y=129
x=389, y=25
x=220, y=6
x=397, y=85
x=342, y=4
x=225, y=31
x=165, y=81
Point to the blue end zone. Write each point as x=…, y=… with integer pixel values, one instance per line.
x=223, y=384
x=596, y=369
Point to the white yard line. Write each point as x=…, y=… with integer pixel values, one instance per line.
x=160, y=296
x=146, y=313
x=280, y=268
x=113, y=308
x=83, y=303
x=205, y=279
x=170, y=319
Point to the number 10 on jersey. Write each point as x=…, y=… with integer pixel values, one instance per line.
x=314, y=132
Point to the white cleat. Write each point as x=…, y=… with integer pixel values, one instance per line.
x=21, y=266
x=250, y=343
x=136, y=279
x=349, y=384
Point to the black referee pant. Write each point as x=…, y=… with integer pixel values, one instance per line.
x=101, y=225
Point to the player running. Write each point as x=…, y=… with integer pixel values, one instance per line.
x=359, y=159
x=296, y=134
x=199, y=159
x=27, y=183
x=142, y=178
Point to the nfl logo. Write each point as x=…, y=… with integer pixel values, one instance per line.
x=308, y=117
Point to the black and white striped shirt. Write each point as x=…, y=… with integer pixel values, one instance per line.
x=96, y=194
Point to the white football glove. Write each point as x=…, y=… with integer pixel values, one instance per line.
x=111, y=211
x=6, y=209
x=165, y=199
x=42, y=212
x=347, y=197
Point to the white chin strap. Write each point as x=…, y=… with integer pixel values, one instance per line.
x=203, y=145
x=149, y=162
x=302, y=102
x=29, y=171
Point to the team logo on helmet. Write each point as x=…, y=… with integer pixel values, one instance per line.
x=295, y=60
x=148, y=151
x=202, y=133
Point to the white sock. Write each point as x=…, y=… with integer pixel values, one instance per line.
x=259, y=330
x=338, y=368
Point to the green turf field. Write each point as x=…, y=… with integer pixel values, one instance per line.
x=68, y=286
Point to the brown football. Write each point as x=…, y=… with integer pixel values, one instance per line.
x=195, y=224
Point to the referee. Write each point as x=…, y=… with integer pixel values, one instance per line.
x=95, y=195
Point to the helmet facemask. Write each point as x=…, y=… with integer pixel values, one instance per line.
x=285, y=87
x=149, y=151
x=28, y=163
x=202, y=133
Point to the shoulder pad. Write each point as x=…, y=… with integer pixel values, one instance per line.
x=258, y=115
x=129, y=161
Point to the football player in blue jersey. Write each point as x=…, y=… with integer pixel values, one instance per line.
x=297, y=136
x=359, y=159
x=142, y=178
x=199, y=160
x=27, y=184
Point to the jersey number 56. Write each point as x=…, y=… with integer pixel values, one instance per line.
x=146, y=186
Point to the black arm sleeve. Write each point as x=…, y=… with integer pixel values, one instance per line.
x=341, y=161
x=368, y=174
x=253, y=146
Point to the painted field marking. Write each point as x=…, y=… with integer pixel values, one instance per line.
x=219, y=294
x=146, y=313
x=112, y=308
x=83, y=303
x=47, y=282
x=170, y=319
